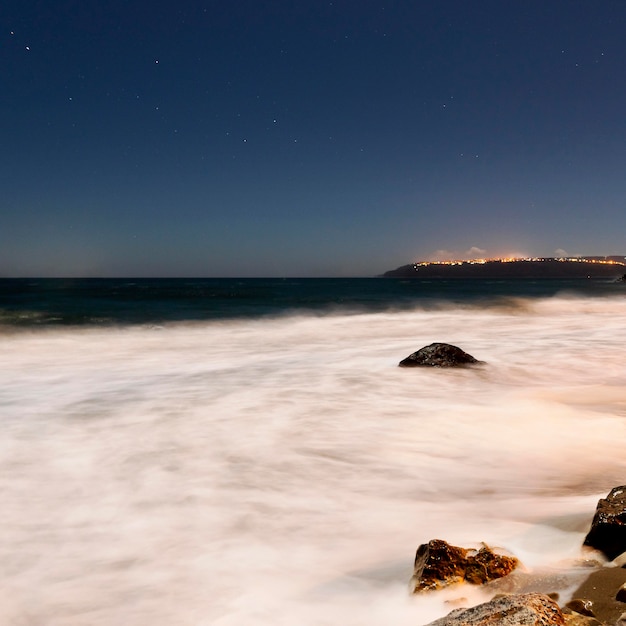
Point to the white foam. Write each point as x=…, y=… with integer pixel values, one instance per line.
x=284, y=471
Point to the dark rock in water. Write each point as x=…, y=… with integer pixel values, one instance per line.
x=530, y=609
x=438, y=564
x=486, y=565
x=608, y=528
x=438, y=355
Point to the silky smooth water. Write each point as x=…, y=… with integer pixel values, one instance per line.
x=283, y=470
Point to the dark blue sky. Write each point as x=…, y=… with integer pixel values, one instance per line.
x=308, y=138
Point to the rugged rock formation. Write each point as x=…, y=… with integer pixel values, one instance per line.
x=438, y=355
x=599, y=600
x=531, y=609
x=608, y=528
x=438, y=564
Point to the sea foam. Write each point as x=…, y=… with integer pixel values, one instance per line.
x=284, y=470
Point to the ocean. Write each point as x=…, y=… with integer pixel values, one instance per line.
x=247, y=452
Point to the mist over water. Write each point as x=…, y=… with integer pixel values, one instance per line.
x=283, y=471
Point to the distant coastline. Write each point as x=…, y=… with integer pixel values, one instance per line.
x=527, y=268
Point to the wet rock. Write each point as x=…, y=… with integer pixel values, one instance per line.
x=438, y=355
x=438, y=564
x=608, y=528
x=581, y=606
x=486, y=565
x=532, y=609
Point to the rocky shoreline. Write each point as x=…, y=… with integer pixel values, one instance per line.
x=521, y=599
x=598, y=581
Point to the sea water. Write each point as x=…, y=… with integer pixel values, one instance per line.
x=277, y=467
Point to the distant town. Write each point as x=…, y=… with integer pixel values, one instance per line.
x=611, y=260
x=613, y=266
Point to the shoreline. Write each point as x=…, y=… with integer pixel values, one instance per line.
x=552, y=269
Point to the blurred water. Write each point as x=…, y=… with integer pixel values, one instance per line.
x=284, y=470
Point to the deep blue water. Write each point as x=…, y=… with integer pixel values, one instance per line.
x=37, y=302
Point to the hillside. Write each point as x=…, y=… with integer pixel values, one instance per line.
x=512, y=269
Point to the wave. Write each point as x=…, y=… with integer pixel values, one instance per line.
x=283, y=469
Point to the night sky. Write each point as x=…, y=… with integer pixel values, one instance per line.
x=307, y=138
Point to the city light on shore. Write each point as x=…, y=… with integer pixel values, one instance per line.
x=618, y=260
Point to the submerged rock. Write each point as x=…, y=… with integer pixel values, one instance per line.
x=608, y=528
x=531, y=609
x=438, y=564
x=438, y=355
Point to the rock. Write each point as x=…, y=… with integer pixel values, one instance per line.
x=438, y=355
x=582, y=607
x=486, y=565
x=531, y=609
x=608, y=528
x=620, y=596
x=438, y=564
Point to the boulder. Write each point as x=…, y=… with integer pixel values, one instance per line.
x=438, y=564
x=530, y=609
x=438, y=355
x=608, y=528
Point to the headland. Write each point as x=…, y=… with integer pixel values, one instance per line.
x=516, y=268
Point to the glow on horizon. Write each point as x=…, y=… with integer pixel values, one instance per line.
x=512, y=259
